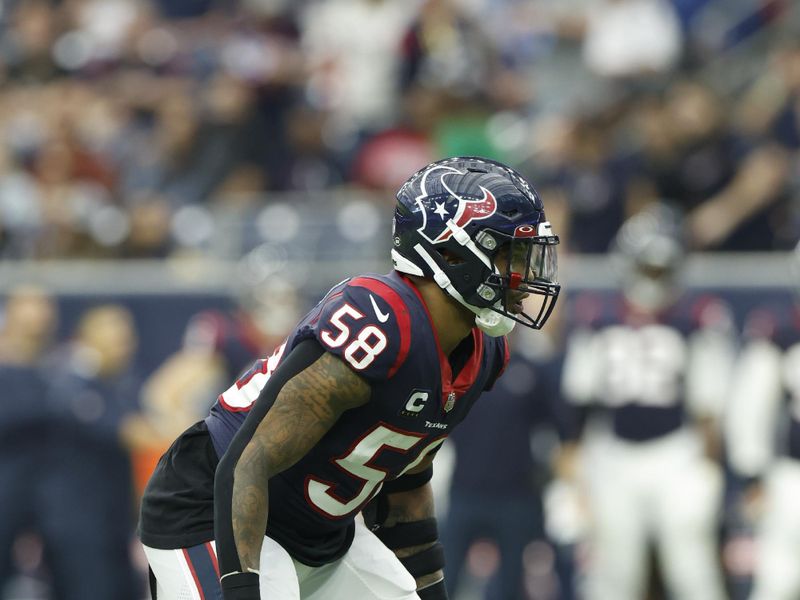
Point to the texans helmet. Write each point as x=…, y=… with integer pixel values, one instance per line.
x=478, y=229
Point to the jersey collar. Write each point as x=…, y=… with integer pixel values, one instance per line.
x=453, y=389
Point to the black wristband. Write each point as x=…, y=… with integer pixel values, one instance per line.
x=240, y=586
x=425, y=561
x=407, y=483
x=437, y=591
x=412, y=533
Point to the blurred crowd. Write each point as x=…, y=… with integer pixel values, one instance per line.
x=128, y=128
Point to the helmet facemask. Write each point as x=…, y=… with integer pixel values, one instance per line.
x=524, y=285
x=511, y=269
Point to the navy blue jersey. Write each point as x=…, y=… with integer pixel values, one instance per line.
x=633, y=365
x=381, y=328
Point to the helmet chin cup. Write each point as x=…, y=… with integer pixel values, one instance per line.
x=486, y=319
x=493, y=323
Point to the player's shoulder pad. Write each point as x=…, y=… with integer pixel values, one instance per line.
x=367, y=324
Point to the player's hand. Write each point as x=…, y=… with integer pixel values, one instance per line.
x=240, y=586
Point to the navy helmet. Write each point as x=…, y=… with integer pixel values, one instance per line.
x=478, y=229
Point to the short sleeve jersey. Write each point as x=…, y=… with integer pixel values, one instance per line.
x=640, y=362
x=380, y=327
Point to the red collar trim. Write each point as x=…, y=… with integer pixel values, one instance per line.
x=469, y=373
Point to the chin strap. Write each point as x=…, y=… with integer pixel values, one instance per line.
x=487, y=320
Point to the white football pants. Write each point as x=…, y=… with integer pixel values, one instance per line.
x=777, y=574
x=369, y=570
x=665, y=493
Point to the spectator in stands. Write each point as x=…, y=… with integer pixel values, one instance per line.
x=87, y=514
x=383, y=159
x=106, y=104
x=148, y=233
x=28, y=323
x=310, y=164
x=352, y=48
x=725, y=189
x=770, y=110
x=444, y=47
x=593, y=182
x=28, y=55
x=629, y=39
x=19, y=213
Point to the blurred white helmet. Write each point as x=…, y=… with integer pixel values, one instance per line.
x=649, y=251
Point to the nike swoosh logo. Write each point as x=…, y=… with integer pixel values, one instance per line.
x=382, y=317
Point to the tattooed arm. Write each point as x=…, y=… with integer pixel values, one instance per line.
x=403, y=517
x=305, y=408
x=408, y=507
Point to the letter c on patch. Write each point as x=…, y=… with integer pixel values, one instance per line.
x=417, y=401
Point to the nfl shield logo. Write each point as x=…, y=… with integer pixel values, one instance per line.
x=451, y=400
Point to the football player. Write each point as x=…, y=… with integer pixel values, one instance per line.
x=264, y=498
x=651, y=365
x=763, y=441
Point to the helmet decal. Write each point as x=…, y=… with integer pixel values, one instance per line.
x=465, y=222
x=471, y=210
x=434, y=226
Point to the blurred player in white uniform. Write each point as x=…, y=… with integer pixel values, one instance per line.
x=763, y=441
x=649, y=367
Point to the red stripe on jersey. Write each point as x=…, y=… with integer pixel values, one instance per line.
x=400, y=311
x=260, y=366
x=194, y=574
x=469, y=373
x=213, y=556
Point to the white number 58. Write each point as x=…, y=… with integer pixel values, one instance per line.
x=369, y=342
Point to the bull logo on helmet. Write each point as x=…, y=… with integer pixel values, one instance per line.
x=435, y=226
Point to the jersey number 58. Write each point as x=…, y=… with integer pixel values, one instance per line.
x=368, y=343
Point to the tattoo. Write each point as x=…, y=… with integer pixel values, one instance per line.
x=305, y=409
x=413, y=505
x=250, y=505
